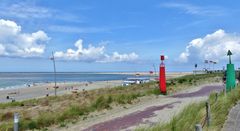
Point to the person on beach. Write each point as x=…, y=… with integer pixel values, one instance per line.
x=47, y=93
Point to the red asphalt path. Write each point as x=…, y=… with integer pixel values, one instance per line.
x=138, y=117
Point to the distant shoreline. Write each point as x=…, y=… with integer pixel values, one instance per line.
x=24, y=79
x=141, y=73
x=133, y=74
x=41, y=90
x=104, y=72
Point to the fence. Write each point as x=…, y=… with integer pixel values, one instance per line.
x=207, y=117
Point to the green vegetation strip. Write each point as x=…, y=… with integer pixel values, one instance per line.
x=195, y=114
x=60, y=110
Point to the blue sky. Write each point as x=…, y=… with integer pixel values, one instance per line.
x=124, y=35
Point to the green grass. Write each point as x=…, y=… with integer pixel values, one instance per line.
x=6, y=127
x=73, y=112
x=81, y=104
x=176, y=84
x=181, y=122
x=195, y=114
x=221, y=108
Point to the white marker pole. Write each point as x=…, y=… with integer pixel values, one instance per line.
x=16, y=121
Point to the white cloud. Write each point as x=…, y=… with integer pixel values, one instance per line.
x=195, y=10
x=25, y=10
x=93, y=54
x=75, y=29
x=14, y=43
x=30, y=10
x=116, y=57
x=212, y=47
x=85, y=54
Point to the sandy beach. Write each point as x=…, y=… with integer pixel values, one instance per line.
x=42, y=90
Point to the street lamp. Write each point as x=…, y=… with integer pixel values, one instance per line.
x=155, y=71
x=54, y=67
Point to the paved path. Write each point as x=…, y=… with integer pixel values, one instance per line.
x=161, y=110
x=233, y=121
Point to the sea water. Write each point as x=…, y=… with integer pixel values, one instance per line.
x=23, y=79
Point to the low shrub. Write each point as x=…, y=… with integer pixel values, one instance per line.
x=102, y=103
x=6, y=116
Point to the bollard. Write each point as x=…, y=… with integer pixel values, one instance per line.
x=216, y=97
x=198, y=127
x=16, y=121
x=208, y=116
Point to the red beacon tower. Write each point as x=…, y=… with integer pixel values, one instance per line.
x=162, y=77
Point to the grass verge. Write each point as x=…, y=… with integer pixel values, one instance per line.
x=195, y=114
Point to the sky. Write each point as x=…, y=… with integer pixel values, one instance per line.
x=115, y=35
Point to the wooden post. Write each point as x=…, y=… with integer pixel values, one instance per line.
x=208, y=113
x=198, y=127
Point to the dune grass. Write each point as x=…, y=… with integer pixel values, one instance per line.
x=195, y=114
x=60, y=110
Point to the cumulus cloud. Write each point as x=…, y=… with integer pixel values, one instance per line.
x=14, y=43
x=93, y=54
x=116, y=57
x=85, y=54
x=212, y=47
